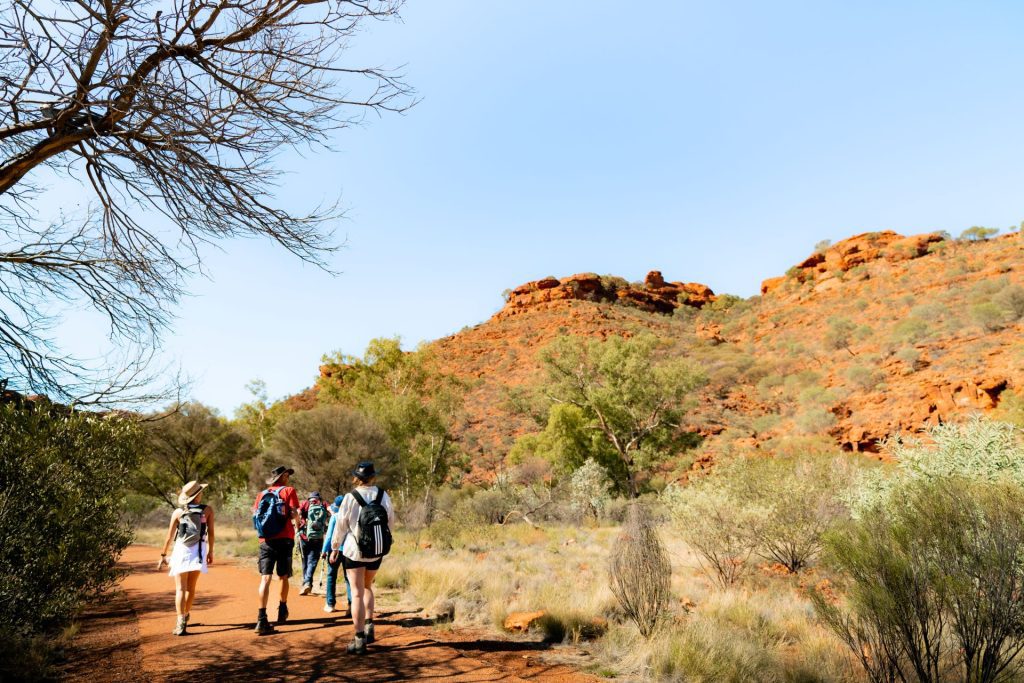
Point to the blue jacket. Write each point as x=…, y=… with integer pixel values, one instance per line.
x=330, y=534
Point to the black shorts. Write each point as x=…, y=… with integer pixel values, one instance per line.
x=276, y=552
x=353, y=564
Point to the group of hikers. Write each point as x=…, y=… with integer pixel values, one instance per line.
x=353, y=533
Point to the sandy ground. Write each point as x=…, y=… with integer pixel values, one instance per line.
x=128, y=638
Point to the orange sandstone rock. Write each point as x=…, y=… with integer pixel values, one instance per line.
x=520, y=622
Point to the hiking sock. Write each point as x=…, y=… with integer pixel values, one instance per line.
x=262, y=613
x=282, y=612
x=369, y=631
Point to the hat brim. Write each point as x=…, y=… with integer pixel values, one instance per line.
x=185, y=500
x=272, y=479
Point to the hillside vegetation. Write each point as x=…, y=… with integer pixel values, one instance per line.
x=875, y=336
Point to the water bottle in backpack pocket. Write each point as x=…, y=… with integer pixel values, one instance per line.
x=271, y=514
x=316, y=522
x=373, y=537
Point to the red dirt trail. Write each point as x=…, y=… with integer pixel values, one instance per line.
x=129, y=639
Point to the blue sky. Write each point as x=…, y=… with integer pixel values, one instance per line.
x=716, y=142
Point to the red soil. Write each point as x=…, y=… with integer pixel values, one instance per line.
x=128, y=639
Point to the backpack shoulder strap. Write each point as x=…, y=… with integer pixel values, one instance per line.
x=380, y=495
x=359, y=498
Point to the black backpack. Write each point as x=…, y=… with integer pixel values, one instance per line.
x=374, y=537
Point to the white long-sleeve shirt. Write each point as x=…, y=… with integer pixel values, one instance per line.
x=347, y=525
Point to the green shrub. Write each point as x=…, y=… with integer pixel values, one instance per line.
x=978, y=233
x=910, y=356
x=613, y=283
x=815, y=420
x=911, y=330
x=1011, y=408
x=724, y=302
x=840, y=333
x=1011, y=300
x=862, y=377
x=979, y=449
x=712, y=518
x=936, y=583
x=765, y=423
x=989, y=316
x=767, y=385
x=590, y=488
x=799, y=499
x=62, y=529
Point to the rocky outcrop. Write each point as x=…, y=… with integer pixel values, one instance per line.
x=654, y=296
x=826, y=265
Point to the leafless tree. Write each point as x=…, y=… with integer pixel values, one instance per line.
x=169, y=113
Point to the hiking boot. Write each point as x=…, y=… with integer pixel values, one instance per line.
x=307, y=588
x=263, y=627
x=357, y=646
x=282, y=613
x=328, y=608
x=179, y=628
x=369, y=634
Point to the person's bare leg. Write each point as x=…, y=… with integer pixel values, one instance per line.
x=368, y=600
x=193, y=579
x=284, y=588
x=355, y=580
x=179, y=594
x=264, y=590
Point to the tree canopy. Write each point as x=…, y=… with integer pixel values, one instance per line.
x=189, y=442
x=415, y=402
x=628, y=394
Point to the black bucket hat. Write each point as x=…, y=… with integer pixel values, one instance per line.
x=277, y=473
x=364, y=471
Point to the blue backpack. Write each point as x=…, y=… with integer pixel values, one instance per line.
x=271, y=514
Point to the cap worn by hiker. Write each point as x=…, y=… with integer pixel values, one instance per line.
x=364, y=471
x=277, y=473
x=189, y=492
x=338, y=499
x=314, y=494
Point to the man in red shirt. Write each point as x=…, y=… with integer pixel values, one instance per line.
x=276, y=551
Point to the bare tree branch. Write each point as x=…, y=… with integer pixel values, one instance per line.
x=170, y=114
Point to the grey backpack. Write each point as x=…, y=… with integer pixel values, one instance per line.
x=191, y=524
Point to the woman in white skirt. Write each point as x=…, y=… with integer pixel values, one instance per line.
x=191, y=529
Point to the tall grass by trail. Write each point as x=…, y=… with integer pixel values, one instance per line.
x=764, y=630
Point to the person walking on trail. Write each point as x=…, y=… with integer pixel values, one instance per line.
x=332, y=567
x=191, y=529
x=314, y=517
x=361, y=538
x=276, y=519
